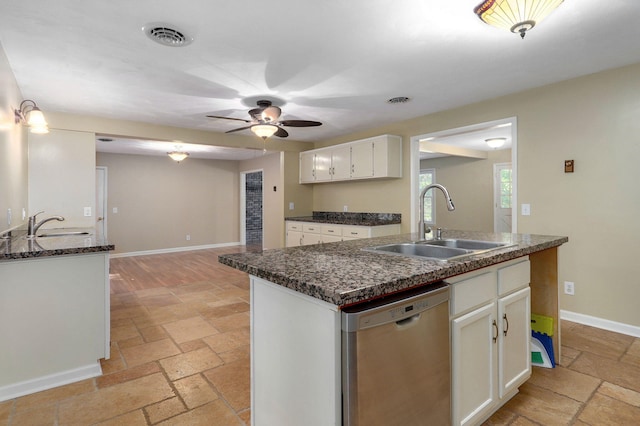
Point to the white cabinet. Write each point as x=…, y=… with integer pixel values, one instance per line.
x=490, y=335
x=306, y=233
x=377, y=157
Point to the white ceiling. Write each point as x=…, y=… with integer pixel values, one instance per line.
x=332, y=61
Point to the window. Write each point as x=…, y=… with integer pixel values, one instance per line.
x=505, y=188
x=427, y=177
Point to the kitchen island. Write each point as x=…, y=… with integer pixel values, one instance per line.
x=298, y=294
x=54, y=309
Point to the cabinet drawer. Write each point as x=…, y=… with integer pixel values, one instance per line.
x=355, y=232
x=311, y=228
x=514, y=277
x=335, y=230
x=472, y=292
x=294, y=226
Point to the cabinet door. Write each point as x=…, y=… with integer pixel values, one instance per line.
x=341, y=163
x=514, y=316
x=294, y=238
x=307, y=167
x=362, y=160
x=323, y=166
x=308, y=239
x=473, y=363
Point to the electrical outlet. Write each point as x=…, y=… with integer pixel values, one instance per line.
x=8, y=217
x=291, y=205
x=115, y=210
x=569, y=288
x=345, y=208
x=188, y=237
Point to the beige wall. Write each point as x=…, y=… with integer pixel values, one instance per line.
x=62, y=172
x=594, y=120
x=13, y=151
x=470, y=184
x=272, y=205
x=160, y=201
x=300, y=195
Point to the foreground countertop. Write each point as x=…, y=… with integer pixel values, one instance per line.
x=20, y=247
x=343, y=274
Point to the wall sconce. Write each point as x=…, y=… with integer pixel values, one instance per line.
x=178, y=156
x=30, y=114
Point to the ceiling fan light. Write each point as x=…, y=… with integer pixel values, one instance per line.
x=517, y=16
x=264, y=130
x=178, y=156
x=271, y=114
x=496, y=142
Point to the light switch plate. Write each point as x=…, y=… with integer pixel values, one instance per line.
x=526, y=209
x=87, y=211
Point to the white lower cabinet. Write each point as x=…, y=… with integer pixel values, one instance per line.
x=490, y=339
x=306, y=233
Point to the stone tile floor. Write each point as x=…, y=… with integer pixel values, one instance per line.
x=180, y=356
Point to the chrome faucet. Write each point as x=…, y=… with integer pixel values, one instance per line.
x=422, y=230
x=33, y=226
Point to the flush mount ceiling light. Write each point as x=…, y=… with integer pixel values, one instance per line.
x=178, y=156
x=495, y=143
x=264, y=130
x=30, y=114
x=517, y=16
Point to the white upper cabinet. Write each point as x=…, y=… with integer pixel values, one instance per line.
x=377, y=157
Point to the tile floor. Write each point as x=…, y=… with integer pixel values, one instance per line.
x=180, y=356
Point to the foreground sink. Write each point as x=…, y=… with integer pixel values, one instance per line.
x=421, y=250
x=466, y=244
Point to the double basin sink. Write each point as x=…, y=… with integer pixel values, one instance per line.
x=444, y=249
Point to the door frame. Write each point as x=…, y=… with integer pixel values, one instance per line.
x=415, y=165
x=243, y=205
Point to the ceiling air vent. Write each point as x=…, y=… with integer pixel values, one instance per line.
x=398, y=100
x=165, y=35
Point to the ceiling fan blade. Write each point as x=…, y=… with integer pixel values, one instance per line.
x=300, y=123
x=239, y=129
x=281, y=133
x=229, y=118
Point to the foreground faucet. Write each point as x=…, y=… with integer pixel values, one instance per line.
x=33, y=226
x=422, y=230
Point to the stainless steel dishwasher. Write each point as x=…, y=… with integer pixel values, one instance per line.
x=395, y=360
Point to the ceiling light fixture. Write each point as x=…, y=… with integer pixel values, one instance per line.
x=178, y=156
x=30, y=114
x=264, y=130
x=495, y=143
x=517, y=16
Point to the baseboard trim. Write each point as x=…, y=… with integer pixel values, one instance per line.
x=50, y=381
x=173, y=250
x=618, y=327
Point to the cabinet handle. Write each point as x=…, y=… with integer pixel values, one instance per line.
x=506, y=330
x=495, y=326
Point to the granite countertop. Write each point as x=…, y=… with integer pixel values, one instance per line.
x=343, y=274
x=351, y=218
x=19, y=247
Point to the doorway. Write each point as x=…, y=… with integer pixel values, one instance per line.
x=457, y=138
x=502, y=190
x=101, y=201
x=252, y=210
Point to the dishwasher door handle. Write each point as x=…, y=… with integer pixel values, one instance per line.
x=408, y=322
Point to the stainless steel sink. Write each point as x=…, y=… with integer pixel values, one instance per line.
x=420, y=250
x=63, y=234
x=466, y=244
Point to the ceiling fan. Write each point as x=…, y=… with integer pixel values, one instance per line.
x=265, y=121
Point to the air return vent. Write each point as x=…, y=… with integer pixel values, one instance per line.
x=166, y=35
